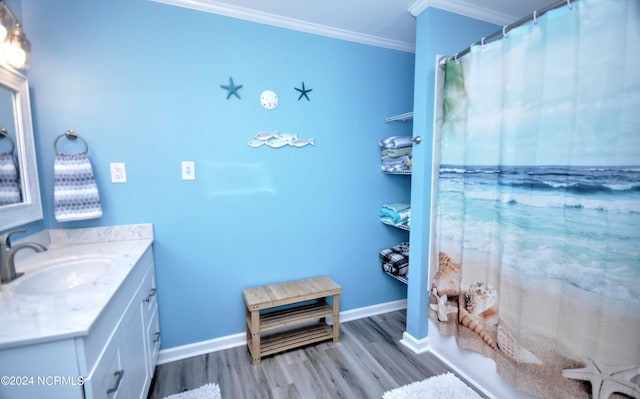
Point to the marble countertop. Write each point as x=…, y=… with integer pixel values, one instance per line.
x=34, y=318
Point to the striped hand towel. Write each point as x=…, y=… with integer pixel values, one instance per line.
x=9, y=180
x=75, y=192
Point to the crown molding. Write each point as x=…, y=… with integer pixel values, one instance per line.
x=463, y=8
x=248, y=14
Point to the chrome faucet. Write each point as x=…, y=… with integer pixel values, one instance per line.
x=8, y=254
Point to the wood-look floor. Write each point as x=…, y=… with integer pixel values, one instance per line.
x=368, y=361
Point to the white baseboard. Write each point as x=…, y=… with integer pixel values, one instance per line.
x=200, y=348
x=240, y=339
x=368, y=311
x=416, y=345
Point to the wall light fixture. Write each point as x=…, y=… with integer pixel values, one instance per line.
x=15, y=48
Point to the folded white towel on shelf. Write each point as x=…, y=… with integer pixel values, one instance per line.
x=75, y=192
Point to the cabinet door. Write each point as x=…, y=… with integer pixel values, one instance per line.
x=106, y=380
x=132, y=349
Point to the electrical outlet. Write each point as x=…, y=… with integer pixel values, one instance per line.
x=188, y=170
x=118, y=172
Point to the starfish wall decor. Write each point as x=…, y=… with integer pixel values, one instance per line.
x=231, y=88
x=303, y=92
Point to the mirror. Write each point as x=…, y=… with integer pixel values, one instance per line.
x=15, y=118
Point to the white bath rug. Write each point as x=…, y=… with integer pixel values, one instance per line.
x=209, y=391
x=444, y=386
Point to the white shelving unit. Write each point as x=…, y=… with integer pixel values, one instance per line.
x=399, y=278
x=404, y=172
x=401, y=118
x=397, y=226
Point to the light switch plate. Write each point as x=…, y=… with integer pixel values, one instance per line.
x=188, y=170
x=118, y=172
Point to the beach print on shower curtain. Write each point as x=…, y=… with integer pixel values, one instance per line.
x=537, y=230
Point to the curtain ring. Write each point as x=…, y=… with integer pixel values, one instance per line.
x=482, y=42
x=504, y=30
x=535, y=19
x=456, y=58
x=569, y=4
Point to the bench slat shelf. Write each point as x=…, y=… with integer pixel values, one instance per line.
x=262, y=315
x=295, y=338
x=287, y=317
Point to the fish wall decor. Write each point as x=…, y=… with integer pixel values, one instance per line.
x=279, y=140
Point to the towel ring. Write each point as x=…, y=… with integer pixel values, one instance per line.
x=70, y=135
x=5, y=135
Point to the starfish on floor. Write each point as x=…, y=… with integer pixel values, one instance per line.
x=606, y=380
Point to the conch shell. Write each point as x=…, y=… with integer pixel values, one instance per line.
x=482, y=301
x=448, y=277
x=467, y=320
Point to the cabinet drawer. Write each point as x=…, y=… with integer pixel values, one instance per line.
x=153, y=339
x=149, y=294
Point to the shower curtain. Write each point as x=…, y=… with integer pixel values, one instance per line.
x=537, y=222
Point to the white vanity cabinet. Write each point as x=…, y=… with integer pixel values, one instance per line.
x=116, y=359
x=124, y=367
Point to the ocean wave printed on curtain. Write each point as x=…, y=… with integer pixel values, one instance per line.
x=538, y=203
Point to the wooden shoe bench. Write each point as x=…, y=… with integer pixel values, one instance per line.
x=273, y=311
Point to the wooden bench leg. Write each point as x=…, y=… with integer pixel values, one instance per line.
x=336, y=318
x=255, y=336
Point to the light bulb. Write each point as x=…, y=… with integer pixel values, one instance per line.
x=17, y=47
x=15, y=55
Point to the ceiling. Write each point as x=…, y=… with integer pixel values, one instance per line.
x=384, y=23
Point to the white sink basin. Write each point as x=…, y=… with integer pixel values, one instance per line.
x=63, y=274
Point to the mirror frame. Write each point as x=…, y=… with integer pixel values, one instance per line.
x=30, y=209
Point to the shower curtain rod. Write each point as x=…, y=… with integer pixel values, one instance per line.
x=505, y=29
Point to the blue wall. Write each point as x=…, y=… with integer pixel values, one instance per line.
x=437, y=33
x=140, y=82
